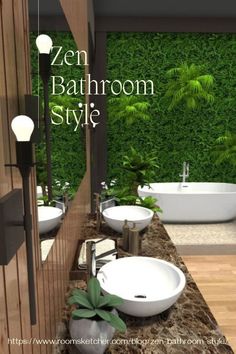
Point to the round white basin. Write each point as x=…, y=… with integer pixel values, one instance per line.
x=116, y=216
x=147, y=285
x=48, y=218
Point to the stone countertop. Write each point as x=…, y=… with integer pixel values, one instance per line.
x=187, y=327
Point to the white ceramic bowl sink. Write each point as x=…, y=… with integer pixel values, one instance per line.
x=147, y=285
x=116, y=216
x=48, y=218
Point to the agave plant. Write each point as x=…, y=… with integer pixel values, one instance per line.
x=93, y=305
x=189, y=85
x=225, y=148
x=128, y=108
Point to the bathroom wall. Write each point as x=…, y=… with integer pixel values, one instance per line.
x=51, y=277
x=179, y=135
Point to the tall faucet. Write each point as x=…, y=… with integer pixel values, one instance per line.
x=185, y=173
x=91, y=258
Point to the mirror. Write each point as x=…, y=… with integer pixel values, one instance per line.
x=67, y=133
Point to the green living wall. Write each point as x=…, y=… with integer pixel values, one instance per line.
x=68, y=146
x=178, y=135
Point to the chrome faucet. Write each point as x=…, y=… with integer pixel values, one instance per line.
x=185, y=173
x=91, y=258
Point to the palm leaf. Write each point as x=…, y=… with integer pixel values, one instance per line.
x=187, y=85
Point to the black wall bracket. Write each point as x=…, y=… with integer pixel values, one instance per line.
x=11, y=225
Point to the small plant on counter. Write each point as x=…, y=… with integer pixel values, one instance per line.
x=94, y=317
x=92, y=304
x=61, y=189
x=123, y=197
x=139, y=170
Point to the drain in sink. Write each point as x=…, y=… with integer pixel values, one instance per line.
x=140, y=296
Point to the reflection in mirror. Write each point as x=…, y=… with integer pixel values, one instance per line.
x=67, y=151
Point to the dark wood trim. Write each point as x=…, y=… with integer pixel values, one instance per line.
x=167, y=24
x=143, y=24
x=49, y=23
x=52, y=23
x=99, y=134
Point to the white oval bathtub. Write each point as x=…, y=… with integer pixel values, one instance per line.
x=193, y=202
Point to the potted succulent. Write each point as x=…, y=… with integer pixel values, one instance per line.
x=94, y=318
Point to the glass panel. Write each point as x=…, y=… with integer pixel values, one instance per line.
x=68, y=158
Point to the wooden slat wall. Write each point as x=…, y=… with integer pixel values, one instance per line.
x=51, y=277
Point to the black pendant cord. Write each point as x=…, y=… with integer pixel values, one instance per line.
x=25, y=173
x=47, y=124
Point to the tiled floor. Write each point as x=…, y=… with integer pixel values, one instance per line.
x=204, y=238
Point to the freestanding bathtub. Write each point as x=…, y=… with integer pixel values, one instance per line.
x=193, y=202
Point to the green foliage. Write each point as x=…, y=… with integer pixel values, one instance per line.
x=68, y=146
x=122, y=194
x=150, y=203
x=141, y=169
x=138, y=170
x=225, y=149
x=91, y=304
x=188, y=85
x=178, y=135
x=123, y=197
x=128, y=108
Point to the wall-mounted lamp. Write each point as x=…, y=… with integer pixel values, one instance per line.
x=44, y=45
x=23, y=127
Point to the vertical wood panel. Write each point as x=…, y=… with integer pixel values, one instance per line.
x=56, y=282
x=11, y=271
x=76, y=12
x=59, y=273
x=22, y=64
x=51, y=278
x=3, y=113
x=48, y=318
x=47, y=305
x=3, y=103
x=13, y=309
x=41, y=304
x=4, y=348
x=24, y=299
x=54, y=285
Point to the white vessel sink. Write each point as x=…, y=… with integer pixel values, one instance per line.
x=116, y=216
x=147, y=285
x=48, y=218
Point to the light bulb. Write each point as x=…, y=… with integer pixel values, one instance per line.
x=44, y=43
x=22, y=127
